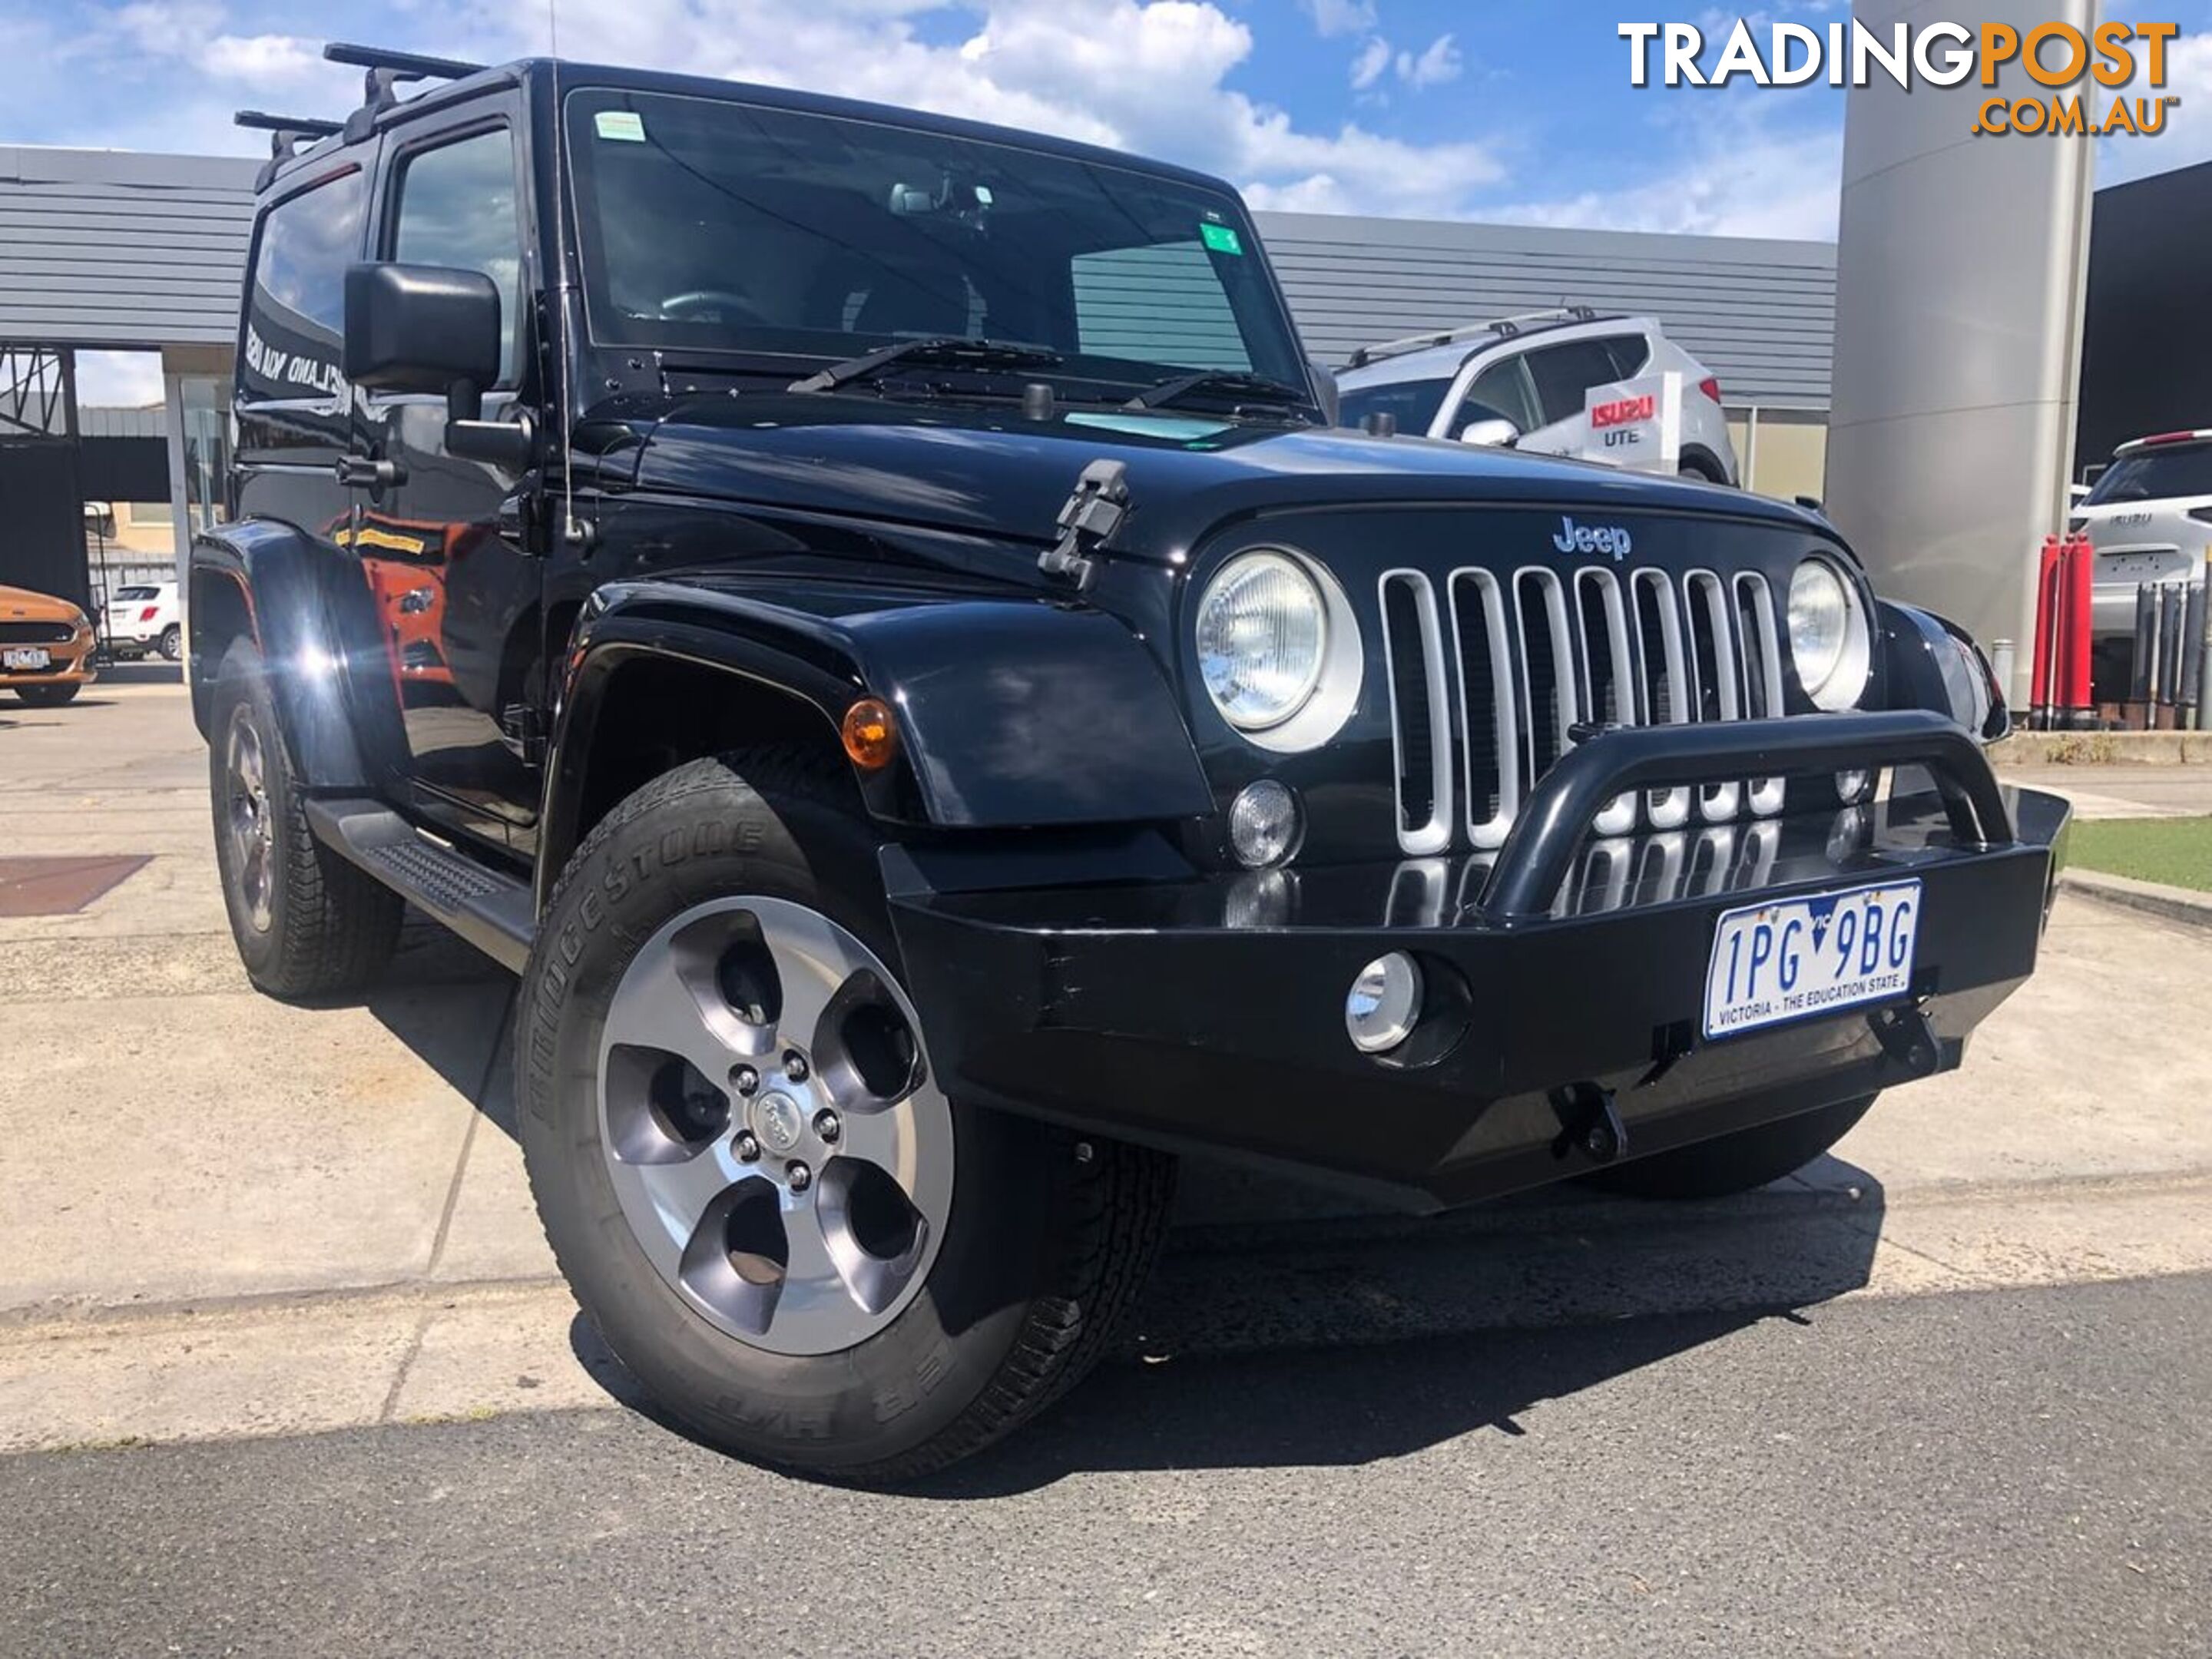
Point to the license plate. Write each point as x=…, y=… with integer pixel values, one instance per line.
x=1798, y=958
x=25, y=660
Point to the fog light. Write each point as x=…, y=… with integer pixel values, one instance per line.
x=1384, y=1003
x=1263, y=824
x=1851, y=787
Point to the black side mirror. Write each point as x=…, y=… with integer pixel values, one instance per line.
x=430, y=328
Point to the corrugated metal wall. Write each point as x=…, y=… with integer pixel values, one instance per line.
x=1761, y=314
x=111, y=249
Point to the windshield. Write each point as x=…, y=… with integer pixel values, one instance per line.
x=1413, y=402
x=137, y=593
x=2155, y=475
x=715, y=226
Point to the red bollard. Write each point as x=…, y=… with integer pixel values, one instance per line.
x=2079, y=564
x=2043, y=649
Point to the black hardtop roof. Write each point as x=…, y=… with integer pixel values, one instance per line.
x=530, y=70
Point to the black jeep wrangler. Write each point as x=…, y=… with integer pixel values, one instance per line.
x=869, y=615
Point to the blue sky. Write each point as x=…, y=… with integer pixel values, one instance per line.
x=1516, y=110
x=1508, y=110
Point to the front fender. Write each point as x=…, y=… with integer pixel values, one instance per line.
x=311, y=616
x=1012, y=712
x=1933, y=663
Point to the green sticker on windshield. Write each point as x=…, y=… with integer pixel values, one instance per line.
x=625, y=124
x=1220, y=239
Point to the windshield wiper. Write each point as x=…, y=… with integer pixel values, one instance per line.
x=1233, y=382
x=947, y=350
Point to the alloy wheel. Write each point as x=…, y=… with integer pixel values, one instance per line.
x=770, y=1126
x=246, y=819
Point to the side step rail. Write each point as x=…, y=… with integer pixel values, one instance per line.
x=490, y=908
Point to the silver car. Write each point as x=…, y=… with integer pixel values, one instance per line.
x=1531, y=372
x=2149, y=517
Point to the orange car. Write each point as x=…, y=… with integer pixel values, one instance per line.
x=45, y=647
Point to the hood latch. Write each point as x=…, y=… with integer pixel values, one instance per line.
x=1089, y=516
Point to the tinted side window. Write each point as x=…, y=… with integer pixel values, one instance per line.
x=457, y=209
x=1564, y=373
x=1501, y=389
x=295, y=302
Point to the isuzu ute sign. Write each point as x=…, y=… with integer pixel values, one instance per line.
x=2056, y=55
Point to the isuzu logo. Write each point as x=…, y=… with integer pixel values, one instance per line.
x=1608, y=538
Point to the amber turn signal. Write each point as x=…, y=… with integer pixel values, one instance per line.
x=870, y=738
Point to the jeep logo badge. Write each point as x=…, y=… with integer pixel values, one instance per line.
x=1608, y=538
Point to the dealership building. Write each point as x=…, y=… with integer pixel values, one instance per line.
x=111, y=250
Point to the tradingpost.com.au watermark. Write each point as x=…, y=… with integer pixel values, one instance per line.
x=2071, y=63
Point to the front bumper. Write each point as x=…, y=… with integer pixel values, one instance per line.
x=71, y=664
x=1206, y=1010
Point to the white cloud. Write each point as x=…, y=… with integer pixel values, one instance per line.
x=1439, y=63
x=1371, y=63
x=119, y=379
x=1741, y=174
x=1340, y=17
x=260, y=58
x=1144, y=76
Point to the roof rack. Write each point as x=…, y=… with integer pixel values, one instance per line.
x=387, y=69
x=287, y=132
x=1503, y=328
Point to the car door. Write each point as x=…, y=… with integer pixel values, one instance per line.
x=459, y=601
x=1561, y=375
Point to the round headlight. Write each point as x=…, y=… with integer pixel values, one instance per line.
x=1263, y=636
x=1828, y=637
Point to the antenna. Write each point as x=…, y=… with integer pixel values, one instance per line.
x=569, y=528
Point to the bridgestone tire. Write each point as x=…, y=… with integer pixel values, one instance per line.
x=49, y=696
x=1050, y=1238
x=331, y=928
x=1738, y=1163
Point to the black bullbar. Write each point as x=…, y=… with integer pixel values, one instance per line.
x=1562, y=1016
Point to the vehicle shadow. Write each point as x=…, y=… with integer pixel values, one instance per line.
x=1294, y=1339
x=156, y=672
x=452, y=1006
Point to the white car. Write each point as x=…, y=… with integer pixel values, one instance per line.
x=144, y=618
x=1531, y=372
x=2149, y=517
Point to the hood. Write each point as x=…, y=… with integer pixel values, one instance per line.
x=989, y=472
x=21, y=605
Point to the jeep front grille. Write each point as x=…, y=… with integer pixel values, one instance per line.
x=1489, y=680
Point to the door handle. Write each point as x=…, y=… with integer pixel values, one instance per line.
x=361, y=472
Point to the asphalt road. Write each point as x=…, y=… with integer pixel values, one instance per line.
x=2023, y=1472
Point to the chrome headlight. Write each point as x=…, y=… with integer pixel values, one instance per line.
x=1829, y=637
x=1262, y=638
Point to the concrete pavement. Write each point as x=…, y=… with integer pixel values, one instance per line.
x=222, y=1215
